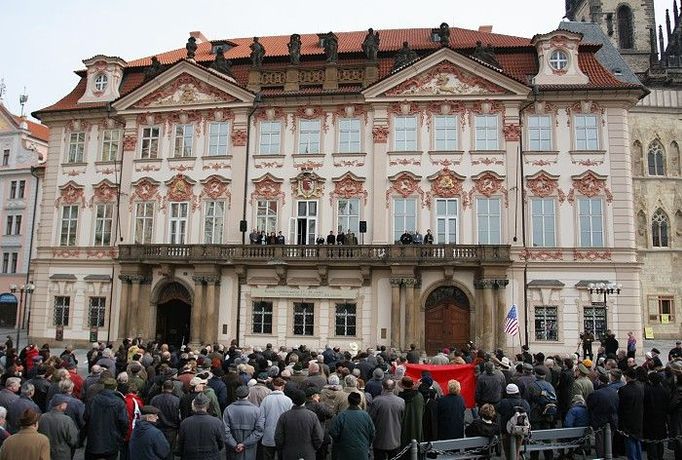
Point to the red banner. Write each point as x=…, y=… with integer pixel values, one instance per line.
x=464, y=373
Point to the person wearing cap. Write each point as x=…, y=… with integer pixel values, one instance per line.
x=315, y=377
x=586, y=340
x=332, y=394
x=675, y=352
x=631, y=414
x=147, y=442
x=657, y=363
x=59, y=429
x=243, y=427
x=582, y=385
x=538, y=395
x=271, y=409
x=352, y=431
x=27, y=444
x=201, y=436
x=260, y=390
x=526, y=378
x=168, y=404
x=298, y=434
x=387, y=411
x=107, y=423
x=577, y=415
x=506, y=409
x=374, y=385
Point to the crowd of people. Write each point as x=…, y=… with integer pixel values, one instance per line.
x=150, y=401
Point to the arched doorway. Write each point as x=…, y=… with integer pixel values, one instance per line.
x=173, y=313
x=447, y=312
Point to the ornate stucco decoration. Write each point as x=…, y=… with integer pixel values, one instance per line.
x=585, y=107
x=542, y=184
x=489, y=183
x=268, y=187
x=307, y=185
x=70, y=193
x=406, y=184
x=447, y=107
x=271, y=114
x=348, y=186
x=184, y=90
x=215, y=187
x=591, y=255
x=380, y=134
x=180, y=188
x=310, y=113
x=238, y=137
x=445, y=78
x=144, y=189
x=589, y=184
x=511, y=130
x=406, y=108
x=104, y=192
x=541, y=254
x=544, y=108
x=448, y=184
x=487, y=106
x=349, y=111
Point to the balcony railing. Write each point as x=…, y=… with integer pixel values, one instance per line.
x=387, y=254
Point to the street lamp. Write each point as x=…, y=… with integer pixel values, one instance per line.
x=606, y=289
x=27, y=288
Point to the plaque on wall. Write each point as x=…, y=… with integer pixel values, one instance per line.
x=94, y=332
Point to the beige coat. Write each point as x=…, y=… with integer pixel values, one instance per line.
x=27, y=444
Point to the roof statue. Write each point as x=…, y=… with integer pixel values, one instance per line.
x=294, y=46
x=444, y=34
x=191, y=47
x=371, y=44
x=257, y=53
x=154, y=69
x=221, y=64
x=486, y=54
x=404, y=56
x=330, y=42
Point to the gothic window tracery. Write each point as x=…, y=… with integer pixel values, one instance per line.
x=660, y=225
x=656, y=159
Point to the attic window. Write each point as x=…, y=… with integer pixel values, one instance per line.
x=558, y=60
x=101, y=81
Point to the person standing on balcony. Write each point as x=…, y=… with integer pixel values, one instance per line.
x=418, y=238
x=253, y=236
x=406, y=238
x=331, y=238
x=279, y=239
x=341, y=238
x=352, y=239
x=428, y=238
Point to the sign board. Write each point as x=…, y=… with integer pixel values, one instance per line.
x=287, y=292
x=59, y=334
x=93, y=334
x=7, y=298
x=665, y=319
x=649, y=333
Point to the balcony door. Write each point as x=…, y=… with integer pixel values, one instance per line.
x=446, y=221
x=303, y=227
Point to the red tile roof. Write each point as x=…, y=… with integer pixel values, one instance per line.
x=37, y=130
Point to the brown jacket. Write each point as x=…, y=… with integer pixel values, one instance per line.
x=27, y=444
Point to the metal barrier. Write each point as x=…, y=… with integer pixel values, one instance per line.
x=454, y=449
x=555, y=439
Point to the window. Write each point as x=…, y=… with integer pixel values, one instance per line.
x=445, y=134
x=349, y=135
x=625, y=32
x=405, y=133
x=96, y=311
x=22, y=189
x=61, y=310
x=178, y=222
x=404, y=216
x=666, y=309
x=348, y=215
x=13, y=190
x=591, y=222
x=546, y=325
x=586, y=132
x=9, y=262
x=150, y=143
x=346, y=319
x=213, y=222
x=304, y=318
x=262, y=317
x=558, y=60
x=542, y=214
x=101, y=81
x=266, y=216
x=76, y=147
x=446, y=221
x=309, y=136
x=489, y=220
x=540, y=133
x=660, y=226
x=13, y=225
x=103, y=224
x=144, y=222
x=5, y=157
x=594, y=319
x=656, y=159
x=111, y=140
x=486, y=132
x=218, y=143
x=69, y=225
x=270, y=136
x=184, y=137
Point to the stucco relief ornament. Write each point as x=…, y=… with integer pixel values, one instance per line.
x=590, y=185
x=406, y=185
x=268, y=187
x=145, y=190
x=185, y=89
x=215, y=188
x=445, y=78
x=308, y=185
x=380, y=134
x=512, y=132
x=71, y=193
x=129, y=142
x=105, y=192
x=543, y=185
x=180, y=189
x=239, y=137
x=489, y=184
x=348, y=187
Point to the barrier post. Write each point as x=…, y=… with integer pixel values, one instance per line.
x=414, y=450
x=512, y=447
x=608, y=453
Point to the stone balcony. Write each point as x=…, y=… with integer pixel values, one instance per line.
x=293, y=255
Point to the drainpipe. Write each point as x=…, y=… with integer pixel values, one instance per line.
x=26, y=313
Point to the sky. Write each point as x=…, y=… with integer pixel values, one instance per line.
x=46, y=40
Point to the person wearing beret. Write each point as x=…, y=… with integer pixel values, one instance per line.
x=243, y=427
x=147, y=442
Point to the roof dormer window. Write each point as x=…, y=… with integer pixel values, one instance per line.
x=101, y=82
x=103, y=77
x=558, y=53
x=558, y=60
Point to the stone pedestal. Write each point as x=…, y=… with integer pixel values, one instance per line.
x=371, y=74
x=292, y=82
x=331, y=77
x=254, y=80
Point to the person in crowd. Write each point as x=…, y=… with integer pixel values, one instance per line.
x=168, y=404
x=610, y=343
x=243, y=427
x=324, y=416
x=586, y=340
x=41, y=385
x=675, y=352
x=147, y=442
x=486, y=425
x=631, y=345
x=412, y=427
x=60, y=429
x=8, y=394
x=577, y=415
x=27, y=444
x=656, y=402
x=201, y=436
x=331, y=238
x=631, y=413
x=582, y=385
x=428, y=237
x=565, y=387
x=133, y=406
x=413, y=355
x=543, y=406
x=417, y=238
x=387, y=411
x=4, y=434
x=430, y=420
x=489, y=385
x=512, y=404
x=374, y=386
x=107, y=423
x=450, y=412
x=406, y=238
x=298, y=433
x=75, y=408
x=271, y=409
x=18, y=407
x=352, y=431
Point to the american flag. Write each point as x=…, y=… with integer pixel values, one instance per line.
x=511, y=322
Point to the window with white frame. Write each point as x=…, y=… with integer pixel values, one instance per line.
x=304, y=318
x=104, y=218
x=150, y=143
x=666, y=308
x=111, y=142
x=69, y=225
x=404, y=216
x=101, y=81
x=214, y=220
x=594, y=319
x=13, y=226
x=76, y=147
x=96, y=311
x=586, y=134
x=487, y=132
x=405, y=133
x=184, y=138
x=349, y=135
x=558, y=60
x=346, y=320
x=218, y=138
x=144, y=222
x=660, y=225
x=262, y=317
x=266, y=216
x=348, y=218
x=17, y=189
x=656, y=159
x=543, y=221
x=270, y=137
x=489, y=220
x=540, y=132
x=591, y=220
x=546, y=323
x=177, y=222
x=13, y=190
x=309, y=136
x=9, y=262
x=61, y=310
x=445, y=132
x=446, y=220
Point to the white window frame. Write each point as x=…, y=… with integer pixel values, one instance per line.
x=559, y=59
x=68, y=215
x=270, y=137
x=350, y=138
x=104, y=223
x=445, y=132
x=218, y=138
x=543, y=222
x=76, y=147
x=307, y=319
x=591, y=225
x=487, y=134
x=13, y=189
x=144, y=223
x=539, y=132
x=214, y=221
x=346, y=218
x=183, y=145
x=97, y=310
x=487, y=219
x=342, y=313
x=264, y=310
x=178, y=221
x=405, y=133
x=10, y=262
x=266, y=220
x=61, y=310
x=111, y=144
x=149, y=143
x=101, y=82
x=402, y=220
x=309, y=137
x=21, y=189
x=13, y=227
x=447, y=219
x=586, y=134
x=310, y=211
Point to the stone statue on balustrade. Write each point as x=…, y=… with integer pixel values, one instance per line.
x=257, y=53
x=404, y=56
x=294, y=46
x=371, y=45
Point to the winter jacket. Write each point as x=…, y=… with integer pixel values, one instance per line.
x=271, y=408
x=62, y=433
x=565, y=390
x=507, y=408
x=656, y=404
x=148, y=442
x=41, y=385
x=602, y=406
x=27, y=444
x=169, y=405
x=480, y=427
x=107, y=423
x=201, y=437
x=298, y=434
x=387, y=411
x=133, y=406
x=374, y=387
x=15, y=411
x=220, y=390
x=333, y=397
x=352, y=431
x=630, y=408
x=582, y=386
x=243, y=425
x=450, y=415
x=577, y=416
x=257, y=393
x=490, y=388
x=7, y=397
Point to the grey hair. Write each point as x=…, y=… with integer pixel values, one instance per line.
x=13, y=381
x=65, y=386
x=3, y=412
x=61, y=374
x=122, y=377
x=27, y=389
x=351, y=381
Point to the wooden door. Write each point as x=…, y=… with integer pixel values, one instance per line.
x=447, y=325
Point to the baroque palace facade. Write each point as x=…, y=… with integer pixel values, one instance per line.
x=514, y=152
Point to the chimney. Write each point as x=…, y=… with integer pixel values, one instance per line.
x=485, y=29
x=199, y=36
